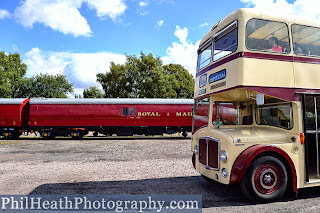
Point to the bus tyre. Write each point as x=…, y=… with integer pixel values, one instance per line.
x=265, y=180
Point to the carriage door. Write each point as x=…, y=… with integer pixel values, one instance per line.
x=311, y=108
x=128, y=113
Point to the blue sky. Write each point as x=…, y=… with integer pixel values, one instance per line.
x=81, y=37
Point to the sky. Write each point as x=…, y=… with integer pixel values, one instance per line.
x=80, y=38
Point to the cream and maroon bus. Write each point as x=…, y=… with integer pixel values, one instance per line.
x=257, y=104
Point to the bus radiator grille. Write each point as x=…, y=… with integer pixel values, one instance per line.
x=208, y=152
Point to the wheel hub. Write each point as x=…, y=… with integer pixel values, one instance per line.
x=267, y=179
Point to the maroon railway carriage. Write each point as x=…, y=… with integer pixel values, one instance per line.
x=124, y=117
x=12, y=116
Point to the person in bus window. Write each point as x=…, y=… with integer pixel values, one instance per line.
x=273, y=45
x=286, y=49
x=298, y=50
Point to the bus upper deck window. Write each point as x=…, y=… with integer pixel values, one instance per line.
x=226, y=41
x=267, y=35
x=306, y=40
x=204, y=55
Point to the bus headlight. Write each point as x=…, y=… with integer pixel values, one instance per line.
x=224, y=172
x=196, y=149
x=223, y=156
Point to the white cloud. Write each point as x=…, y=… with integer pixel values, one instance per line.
x=4, y=14
x=204, y=24
x=307, y=9
x=143, y=13
x=15, y=48
x=141, y=10
x=111, y=8
x=182, y=34
x=182, y=52
x=143, y=4
x=166, y=1
x=84, y=67
x=43, y=62
x=64, y=15
x=160, y=23
x=79, y=68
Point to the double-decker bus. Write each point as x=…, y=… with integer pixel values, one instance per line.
x=257, y=104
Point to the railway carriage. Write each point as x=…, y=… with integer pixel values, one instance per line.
x=12, y=117
x=123, y=117
x=76, y=117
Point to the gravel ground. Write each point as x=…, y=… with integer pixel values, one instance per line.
x=130, y=165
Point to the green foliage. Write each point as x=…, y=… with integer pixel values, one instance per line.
x=184, y=79
x=12, y=71
x=92, y=92
x=45, y=85
x=114, y=82
x=146, y=77
x=77, y=96
x=140, y=77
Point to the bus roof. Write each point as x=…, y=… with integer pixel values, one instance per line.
x=245, y=14
x=251, y=65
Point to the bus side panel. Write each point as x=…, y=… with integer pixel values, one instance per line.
x=307, y=75
x=230, y=65
x=271, y=72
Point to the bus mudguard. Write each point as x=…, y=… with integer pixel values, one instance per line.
x=247, y=156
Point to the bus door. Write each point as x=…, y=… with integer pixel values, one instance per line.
x=311, y=108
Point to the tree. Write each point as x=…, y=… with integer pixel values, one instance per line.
x=146, y=77
x=14, y=84
x=114, y=83
x=93, y=92
x=184, y=78
x=46, y=86
x=12, y=71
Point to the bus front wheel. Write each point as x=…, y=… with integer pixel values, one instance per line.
x=265, y=180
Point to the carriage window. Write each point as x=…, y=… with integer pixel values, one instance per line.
x=125, y=111
x=226, y=41
x=306, y=40
x=131, y=111
x=268, y=36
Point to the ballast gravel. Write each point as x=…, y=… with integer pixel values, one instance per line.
x=124, y=165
